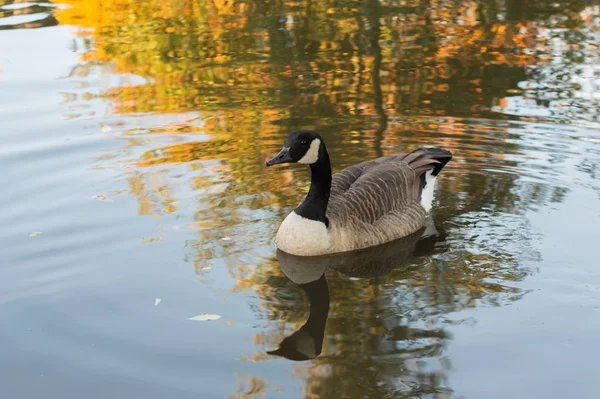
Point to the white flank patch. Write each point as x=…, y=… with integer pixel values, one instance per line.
x=312, y=154
x=301, y=236
x=427, y=193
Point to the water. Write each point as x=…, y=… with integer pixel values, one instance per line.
x=134, y=137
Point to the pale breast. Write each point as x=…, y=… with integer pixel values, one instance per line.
x=301, y=236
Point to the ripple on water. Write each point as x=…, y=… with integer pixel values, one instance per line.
x=19, y=15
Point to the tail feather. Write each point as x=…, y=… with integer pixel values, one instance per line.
x=427, y=163
x=440, y=155
x=425, y=159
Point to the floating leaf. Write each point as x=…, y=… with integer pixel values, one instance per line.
x=152, y=239
x=102, y=198
x=205, y=317
x=35, y=233
x=157, y=301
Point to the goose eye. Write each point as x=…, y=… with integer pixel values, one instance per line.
x=303, y=142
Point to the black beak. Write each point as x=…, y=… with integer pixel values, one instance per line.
x=282, y=157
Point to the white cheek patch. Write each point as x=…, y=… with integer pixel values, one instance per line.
x=312, y=155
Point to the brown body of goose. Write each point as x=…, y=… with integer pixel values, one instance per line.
x=364, y=205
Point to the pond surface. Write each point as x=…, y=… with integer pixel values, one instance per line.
x=135, y=197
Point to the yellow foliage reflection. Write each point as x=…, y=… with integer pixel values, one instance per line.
x=373, y=77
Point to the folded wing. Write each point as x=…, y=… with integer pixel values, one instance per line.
x=389, y=185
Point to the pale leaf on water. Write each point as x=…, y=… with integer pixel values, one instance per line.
x=35, y=233
x=157, y=301
x=152, y=239
x=205, y=317
x=102, y=198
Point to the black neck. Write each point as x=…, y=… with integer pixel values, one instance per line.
x=314, y=205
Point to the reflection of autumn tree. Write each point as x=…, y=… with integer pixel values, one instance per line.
x=318, y=57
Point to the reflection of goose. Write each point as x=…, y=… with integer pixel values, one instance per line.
x=306, y=343
x=308, y=273
x=367, y=204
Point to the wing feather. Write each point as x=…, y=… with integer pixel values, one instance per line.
x=389, y=185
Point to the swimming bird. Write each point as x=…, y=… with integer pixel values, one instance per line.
x=364, y=205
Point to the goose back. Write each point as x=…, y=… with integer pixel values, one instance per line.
x=378, y=201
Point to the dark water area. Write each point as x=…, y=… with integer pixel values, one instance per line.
x=138, y=219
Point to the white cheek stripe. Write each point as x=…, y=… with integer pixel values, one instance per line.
x=312, y=155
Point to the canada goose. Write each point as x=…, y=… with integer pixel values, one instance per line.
x=366, y=204
x=309, y=273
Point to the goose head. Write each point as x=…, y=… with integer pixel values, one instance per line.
x=301, y=146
